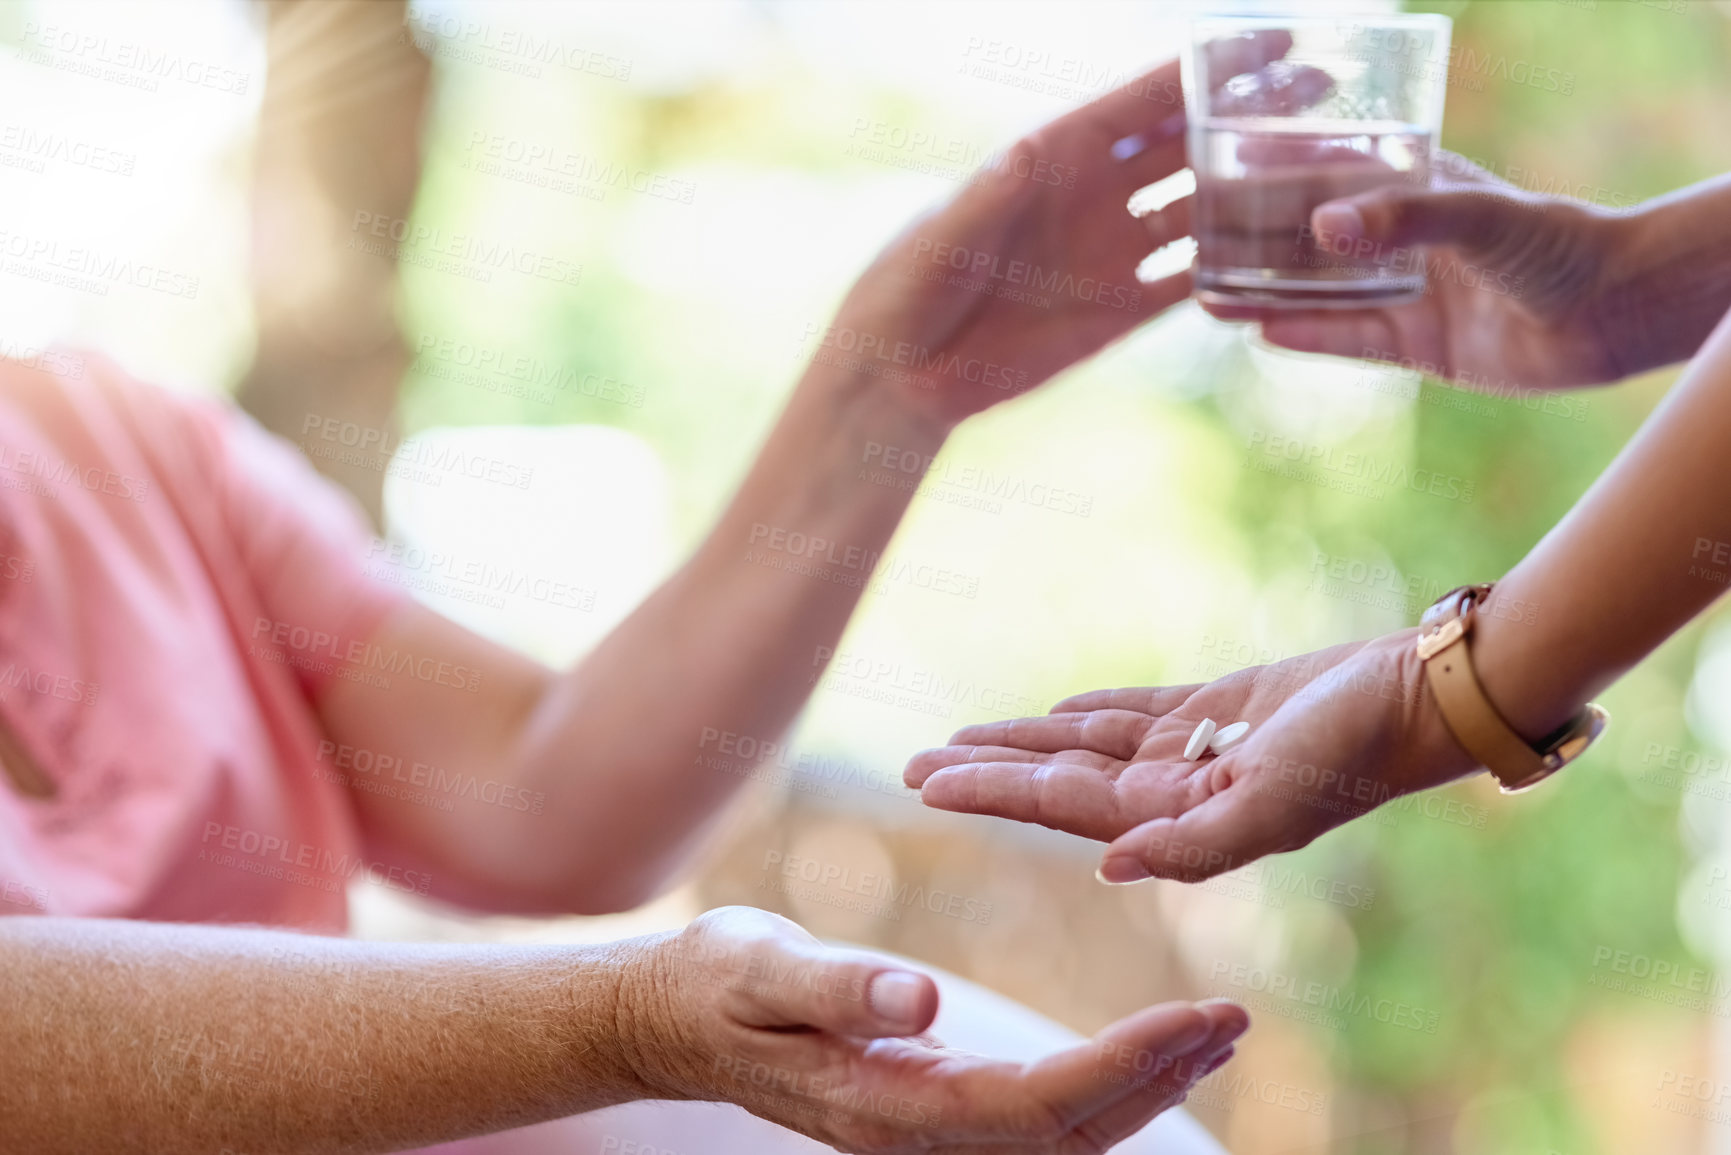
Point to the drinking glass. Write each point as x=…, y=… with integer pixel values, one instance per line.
x=1288, y=112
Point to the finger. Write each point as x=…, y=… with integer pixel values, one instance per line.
x=1067, y=796
x=1129, y=1116
x=1154, y=153
x=1279, y=88
x=1145, y=106
x=1114, y=733
x=1241, y=821
x=1036, y=1105
x=1171, y=223
x=1147, y=1059
x=1227, y=57
x=1151, y=700
x=1477, y=221
x=928, y=762
x=797, y=983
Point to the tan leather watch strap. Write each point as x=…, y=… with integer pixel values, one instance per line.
x=1443, y=647
x=1474, y=722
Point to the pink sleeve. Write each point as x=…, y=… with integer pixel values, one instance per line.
x=305, y=543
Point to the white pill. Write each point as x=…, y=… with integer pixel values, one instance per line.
x=1227, y=737
x=1199, y=739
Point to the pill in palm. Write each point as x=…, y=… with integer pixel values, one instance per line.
x=1227, y=737
x=1199, y=739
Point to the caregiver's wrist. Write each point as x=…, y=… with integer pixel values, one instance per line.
x=1535, y=688
x=1669, y=276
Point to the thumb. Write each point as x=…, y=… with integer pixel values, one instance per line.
x=1244, y=821
x=1486, y=222
x=846, y=992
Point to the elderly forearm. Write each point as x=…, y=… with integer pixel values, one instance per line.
x=1645, y=550
x=122, y=1036
x=731, y=645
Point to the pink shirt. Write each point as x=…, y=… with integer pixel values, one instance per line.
x=172, y=582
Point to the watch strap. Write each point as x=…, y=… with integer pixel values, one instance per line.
x=1474, y=721
x=1469, y=714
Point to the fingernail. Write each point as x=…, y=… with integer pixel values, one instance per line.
x=1190, y=1039
x=1128, y=147
x=1121, y=871
x=895, y=996
x=1344, y=220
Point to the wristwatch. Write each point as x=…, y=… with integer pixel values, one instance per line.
x=1443, y=648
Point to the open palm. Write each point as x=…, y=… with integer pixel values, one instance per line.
x=1333, y=734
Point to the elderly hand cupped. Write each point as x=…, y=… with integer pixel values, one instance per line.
x=743, y=1006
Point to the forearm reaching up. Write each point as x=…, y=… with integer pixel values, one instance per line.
x=613, y=752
